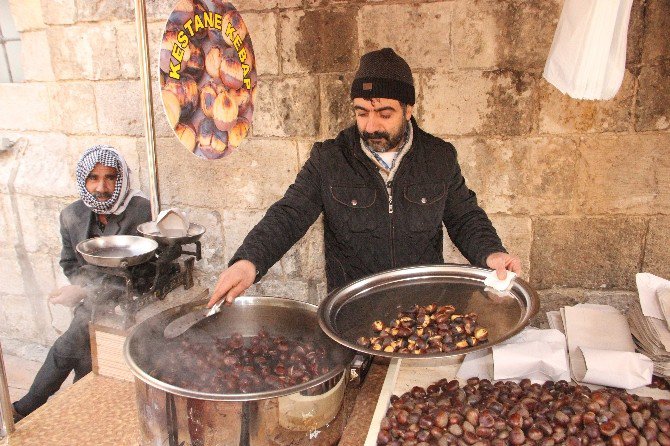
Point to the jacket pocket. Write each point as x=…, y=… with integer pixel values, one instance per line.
x=425, y=201
x=355, y=207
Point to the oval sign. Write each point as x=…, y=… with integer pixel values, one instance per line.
x=208, y=77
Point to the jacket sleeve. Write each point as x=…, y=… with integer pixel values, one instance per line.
x=68, y=257
x=467, y=224
x=286, y=221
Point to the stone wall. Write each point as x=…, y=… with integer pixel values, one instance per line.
x=580, y=190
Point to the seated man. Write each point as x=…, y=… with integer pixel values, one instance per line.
x=107, y=206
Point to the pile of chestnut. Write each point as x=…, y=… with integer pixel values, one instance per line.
x=209, y=106
x=426, y=329
x=239, y=365
x=481, y=413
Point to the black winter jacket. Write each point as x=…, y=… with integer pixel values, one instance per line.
x=367, y=230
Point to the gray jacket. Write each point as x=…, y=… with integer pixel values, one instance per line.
x=75, y=224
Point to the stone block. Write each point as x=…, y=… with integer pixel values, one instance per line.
x=253, y=177
x=313, y=256
x=536, y=175
x=120, y=108
x=73, y=107
x=318, y=41
x=495, y=34
x=213, y=245
x=88, y=11
x=652, y=111
x=288, y=107
x=12, y=280
x=59, y=12
x=159, y=10
x=36, y=57
x=39, y=279
x=40, y=227
x=8, y=235
x=657, y=22
x=304, y=150
x=625, y=174
x=621, y=300
x=161, y=125
x=236, y=226
x=127, y=146
x=586, y=252
x=657, y=247
x=24, y=106
x=27, y=15
x=336, y=111
x=127, y=50
x=473, y=102
x=263, y=31
x=9, y=161
x=46, y=168
x=264, y=5
x=420, y=33
x=559, y=113
x=16, y=318
x=635, y=38
x=516, y=234
x=84, y=52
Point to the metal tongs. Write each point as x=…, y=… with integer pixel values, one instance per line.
x=183, y=323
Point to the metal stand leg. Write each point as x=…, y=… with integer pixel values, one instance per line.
x=7, y=425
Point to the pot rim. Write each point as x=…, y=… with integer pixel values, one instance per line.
x=140, y=374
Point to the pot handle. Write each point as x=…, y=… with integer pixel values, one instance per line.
x=358, y=368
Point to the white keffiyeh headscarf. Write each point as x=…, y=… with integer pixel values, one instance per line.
x=107, y=156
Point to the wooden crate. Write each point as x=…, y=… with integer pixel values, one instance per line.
x=107, y=352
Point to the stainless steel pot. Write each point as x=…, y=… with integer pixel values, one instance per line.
x=181, y=416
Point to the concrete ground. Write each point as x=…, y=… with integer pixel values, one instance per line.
x=20, y=375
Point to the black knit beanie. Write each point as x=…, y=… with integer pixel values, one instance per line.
x=383, y=74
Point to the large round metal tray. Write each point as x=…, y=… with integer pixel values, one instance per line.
x=149, y=230
x=348, y=313
x=246, y=316
x=117, y=250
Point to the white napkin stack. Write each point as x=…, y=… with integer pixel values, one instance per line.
x=588, y=55
x=535, y=354
x=649, y=320
x=601, y=348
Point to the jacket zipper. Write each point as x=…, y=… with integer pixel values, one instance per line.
x=389, y=191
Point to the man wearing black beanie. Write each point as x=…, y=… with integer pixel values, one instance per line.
x=385, y=188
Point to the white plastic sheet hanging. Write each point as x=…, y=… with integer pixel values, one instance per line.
x=587, y=59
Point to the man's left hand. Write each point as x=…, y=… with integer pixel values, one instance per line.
x=503, y=262
x=69, y=295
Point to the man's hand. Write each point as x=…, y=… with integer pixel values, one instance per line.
x=502, y=262
x=233, y=282
x=69, y=295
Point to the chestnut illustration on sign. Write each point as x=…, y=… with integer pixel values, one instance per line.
x=208, y=76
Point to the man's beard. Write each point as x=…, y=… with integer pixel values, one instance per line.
x=102, y=196
x=385, y=143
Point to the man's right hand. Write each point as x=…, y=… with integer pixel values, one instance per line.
x=233, y=282
x=69, y=295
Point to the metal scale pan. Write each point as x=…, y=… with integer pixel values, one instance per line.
x=117, y=250
x=347, y=313
x=149, y=230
